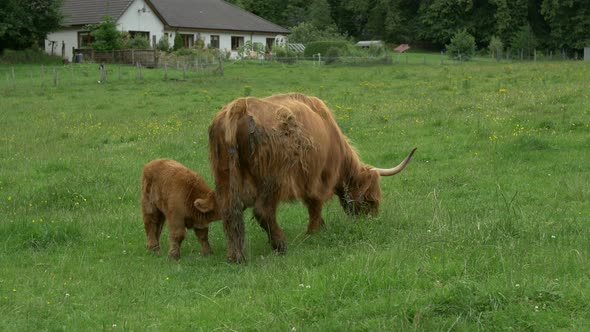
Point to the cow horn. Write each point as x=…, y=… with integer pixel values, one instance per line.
x=396, y=169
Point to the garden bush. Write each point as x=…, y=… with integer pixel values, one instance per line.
x=322, y=47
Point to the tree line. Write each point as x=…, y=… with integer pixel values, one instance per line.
x=552, y=24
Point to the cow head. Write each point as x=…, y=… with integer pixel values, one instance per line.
x=361, y=194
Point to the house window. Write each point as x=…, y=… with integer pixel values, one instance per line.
x=214, y=41
x=269, y=43
x=140, y=34
x=236, y=42
x=84, y=39
x=187, y=40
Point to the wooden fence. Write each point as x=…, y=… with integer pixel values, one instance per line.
x=144, y=57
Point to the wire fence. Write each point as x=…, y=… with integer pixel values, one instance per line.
x=72, y=74
x=194, y=67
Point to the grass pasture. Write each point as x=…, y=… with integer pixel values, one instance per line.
x=486, y=229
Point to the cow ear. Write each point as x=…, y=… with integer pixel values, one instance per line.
x=205, y=204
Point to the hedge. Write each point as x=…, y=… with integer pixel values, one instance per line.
x=322, y=47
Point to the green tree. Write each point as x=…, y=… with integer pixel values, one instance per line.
x=510, y=15
x=178, y=41
x=26, y=23
x=320, y=15
x=496, y=46
x=306, y=32
x=524, y=40
x=106, y=36
x=462, y=46
x=569, y=23
x=440, y=19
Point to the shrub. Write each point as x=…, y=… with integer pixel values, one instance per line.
x=322, y=47
x=332, y=55
x=31, y=55
x=462, y=46
x=199, y=43
x=137, y=42
x=178, y=42
x=376, y=50
x=496, y=46
x=284, y=55
x=164, y=44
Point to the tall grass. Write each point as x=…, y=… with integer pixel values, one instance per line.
x=486, y=229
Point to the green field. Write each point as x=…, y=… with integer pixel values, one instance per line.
x=486, y=229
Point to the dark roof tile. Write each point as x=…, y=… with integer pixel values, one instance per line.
x=192, y=14
x=81, y=12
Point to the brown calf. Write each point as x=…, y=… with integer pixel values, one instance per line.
x=172, y=192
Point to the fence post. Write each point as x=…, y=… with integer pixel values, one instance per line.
x=165, y=71
x=119, y=72
x=55, y=76
x=139, y=73
x=221, y=65
x=103, y=73
x=184, y=71
x=132, y=56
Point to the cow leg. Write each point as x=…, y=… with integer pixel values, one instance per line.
x=314, y=208
x=153, y=221
x=235, y=231
x=265, y=212
x=177, y=234
x=203, y=236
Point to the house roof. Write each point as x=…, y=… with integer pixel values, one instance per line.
x=212, y=14
x=81, y=12
x=190, y=14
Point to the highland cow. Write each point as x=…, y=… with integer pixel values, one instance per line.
x=172, y=192
x=281, y=148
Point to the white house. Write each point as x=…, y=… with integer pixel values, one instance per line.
x=218, y=23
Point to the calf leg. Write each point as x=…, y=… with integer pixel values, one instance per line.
x=314, y=208
x=203, y=236
x=177, y=234
x=153, y=221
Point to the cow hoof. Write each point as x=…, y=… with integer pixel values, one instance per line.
x=280, y=247
x=153, y=248
x=174, y=256
x=236, y=260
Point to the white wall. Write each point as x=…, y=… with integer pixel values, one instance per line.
x=69, y=37
x=136, y=19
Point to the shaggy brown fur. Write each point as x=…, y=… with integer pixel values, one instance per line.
x=284, y=147
x=172, y=192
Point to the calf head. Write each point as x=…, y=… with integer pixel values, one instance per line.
x=208, y=207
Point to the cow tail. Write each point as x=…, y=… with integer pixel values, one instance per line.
x=233, y=215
